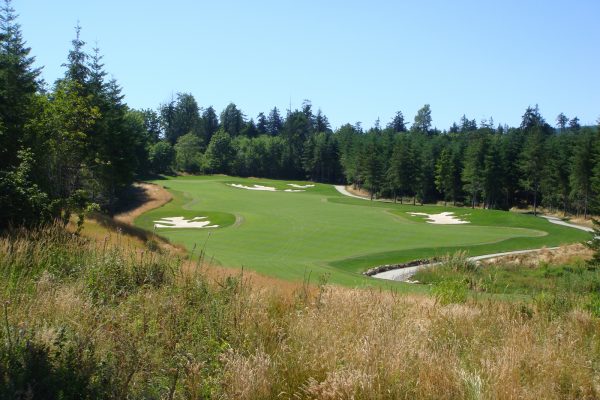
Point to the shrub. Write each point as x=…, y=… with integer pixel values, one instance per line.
x=450, y=291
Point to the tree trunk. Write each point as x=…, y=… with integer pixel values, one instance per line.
x=535, y=202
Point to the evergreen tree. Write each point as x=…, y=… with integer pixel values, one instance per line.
x=562, y=121
x=397, y=123
x=582, y=163
x=444, y=177
x=474, y=167
x=532, y=162
x=371, y=167
x=321, y=122
x=18, y=85
x=77, y=69
x=210, y=123
x=261, y=124
x=232, y=120
x=274, y=122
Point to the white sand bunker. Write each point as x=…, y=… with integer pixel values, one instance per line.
x=254, y=187
x=181, y=222
x=445, y=218
x=300, y=186
x=268, y=188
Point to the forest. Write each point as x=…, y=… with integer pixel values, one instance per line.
x=75, y=144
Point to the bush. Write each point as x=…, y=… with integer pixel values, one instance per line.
x=450, y=291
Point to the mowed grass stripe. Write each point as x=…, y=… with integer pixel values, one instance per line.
x=286, y=234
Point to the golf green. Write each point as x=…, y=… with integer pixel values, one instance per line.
x=319, y=230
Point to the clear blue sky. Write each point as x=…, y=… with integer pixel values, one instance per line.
x=357, y=60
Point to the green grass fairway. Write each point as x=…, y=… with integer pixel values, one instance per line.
x=288, y=235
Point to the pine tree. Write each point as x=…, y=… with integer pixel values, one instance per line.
x=397, y=123
x=261, y=124
x=18, y=85
x=77, y=63
x=274, y=122
x=582, y=170
x=532, y=163
x=232, y=120
x=210, y=123
x=444, y=178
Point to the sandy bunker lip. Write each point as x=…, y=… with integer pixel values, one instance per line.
x=181, y=222
x=444, y=218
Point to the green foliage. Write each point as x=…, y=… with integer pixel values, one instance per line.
x=66, y=368
x=161, y=156
x=450, y=291
x=594, y=243
x=188, y=154
x=22, y=202
x=219, y=152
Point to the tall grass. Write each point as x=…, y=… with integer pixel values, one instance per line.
x=88, y=320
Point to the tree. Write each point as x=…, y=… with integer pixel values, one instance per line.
x=582, y=170
x=467, y=125
x=371, y=166
x=18, y=85
x=321, y=122
x=22, y=202
x=161, y=156
x=403, y=171
x=210, y=123
x=188, y=153
x=219, y=153
x=232, y=120
x=249, y=129
x=261, y=124
x=152, y=125
x=474, y=164
x=180, y=117
x=562, y=121
x=274, y=122
x=444, y=177
x=532, y=162
x=574, y=125
x=397, y=123
x=422, y=122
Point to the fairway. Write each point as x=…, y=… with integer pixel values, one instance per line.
x=316, y=231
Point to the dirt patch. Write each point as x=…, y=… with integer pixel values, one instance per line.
x=358, y=192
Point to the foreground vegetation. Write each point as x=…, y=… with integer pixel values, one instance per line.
x=89, y=320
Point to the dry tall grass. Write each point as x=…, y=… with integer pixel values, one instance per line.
x=163, y=333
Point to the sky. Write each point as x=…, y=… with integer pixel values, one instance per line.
x=355, y=60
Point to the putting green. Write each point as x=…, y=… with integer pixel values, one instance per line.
x=291, y=234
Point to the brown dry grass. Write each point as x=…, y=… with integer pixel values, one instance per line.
x=236, y=338
x=561, y=255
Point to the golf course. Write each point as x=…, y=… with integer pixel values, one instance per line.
x=290, y=229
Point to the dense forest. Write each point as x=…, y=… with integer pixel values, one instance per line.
x=76, y=144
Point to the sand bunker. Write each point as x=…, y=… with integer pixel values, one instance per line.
x=270, y=188
x=300, y=186
x=181, y=222
x=445, y=218
x=254, y=187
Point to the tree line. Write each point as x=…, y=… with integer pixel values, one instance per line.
x=76, y=142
